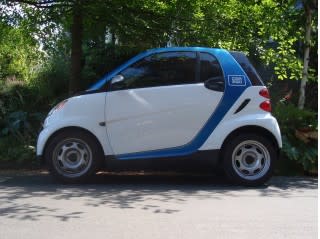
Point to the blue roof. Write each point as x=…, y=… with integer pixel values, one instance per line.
x=192, y=48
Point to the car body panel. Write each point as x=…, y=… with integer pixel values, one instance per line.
x=159, y=117
x=251, y=115
x=84, y=111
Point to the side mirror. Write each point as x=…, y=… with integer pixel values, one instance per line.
x=117, y=82
x=117, y=79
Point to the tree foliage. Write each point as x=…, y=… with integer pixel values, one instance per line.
x=19, y=56
x=266, y=29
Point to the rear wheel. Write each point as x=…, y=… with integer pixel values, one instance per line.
x=249, y=159
x=73, y=155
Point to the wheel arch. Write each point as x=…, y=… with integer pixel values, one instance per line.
x=71, y=128
x=250, y=129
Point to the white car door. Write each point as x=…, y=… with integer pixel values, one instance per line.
x=161, y=101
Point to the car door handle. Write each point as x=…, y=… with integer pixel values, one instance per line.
x=215, y=83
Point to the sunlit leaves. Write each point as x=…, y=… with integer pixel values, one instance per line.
x=19, y=54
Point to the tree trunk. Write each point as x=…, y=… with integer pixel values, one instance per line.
x=76, y=48
x=305, y=57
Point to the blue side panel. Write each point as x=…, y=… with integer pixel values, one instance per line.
x=236, y=81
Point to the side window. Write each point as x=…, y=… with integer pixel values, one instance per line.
x=168, y=68
x=210, y=68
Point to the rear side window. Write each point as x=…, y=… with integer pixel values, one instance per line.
x=168, y=68
x=210, y=68
x=248, y=68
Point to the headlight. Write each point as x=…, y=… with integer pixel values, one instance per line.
x=52, y=111
x=57, y=107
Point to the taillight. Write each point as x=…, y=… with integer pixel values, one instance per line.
x=266, y=105
x=264, y=93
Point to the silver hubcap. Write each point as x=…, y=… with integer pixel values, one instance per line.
x=251, y=160
x=72, y=157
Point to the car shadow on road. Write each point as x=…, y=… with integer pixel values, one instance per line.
x=25, y=197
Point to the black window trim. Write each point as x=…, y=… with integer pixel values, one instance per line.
x=198, y=67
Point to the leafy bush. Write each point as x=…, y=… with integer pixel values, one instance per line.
x=52, y=79
x=20, y=122
x=22, y=126
x=292, y=121
x=14, y=154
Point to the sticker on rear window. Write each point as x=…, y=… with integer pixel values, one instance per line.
x=236, y=80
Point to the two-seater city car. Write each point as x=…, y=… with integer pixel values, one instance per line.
x=167, y=103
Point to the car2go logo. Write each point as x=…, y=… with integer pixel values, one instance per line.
x=236, y=80
x=200, y=103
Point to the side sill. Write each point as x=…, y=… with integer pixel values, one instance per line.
x=40, y=159
x=205, y=160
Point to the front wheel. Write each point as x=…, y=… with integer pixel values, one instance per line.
x=249, y=159
x=73, y=156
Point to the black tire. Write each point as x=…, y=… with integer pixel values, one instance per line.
x=249, y=159
x=82, y=146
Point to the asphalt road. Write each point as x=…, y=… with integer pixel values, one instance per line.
x=156, y=206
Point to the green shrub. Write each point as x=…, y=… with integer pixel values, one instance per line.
x=52, y=80
x=20, y=122
x=22, y=126
x=291, y=118
x=14, y=154
x=291, y=121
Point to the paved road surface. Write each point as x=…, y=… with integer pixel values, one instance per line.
x=156, y=207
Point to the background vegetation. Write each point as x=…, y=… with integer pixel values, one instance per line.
x=52, y=48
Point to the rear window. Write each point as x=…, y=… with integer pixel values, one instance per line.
x=251, y=72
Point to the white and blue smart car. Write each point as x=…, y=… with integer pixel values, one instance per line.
x=165, y=103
